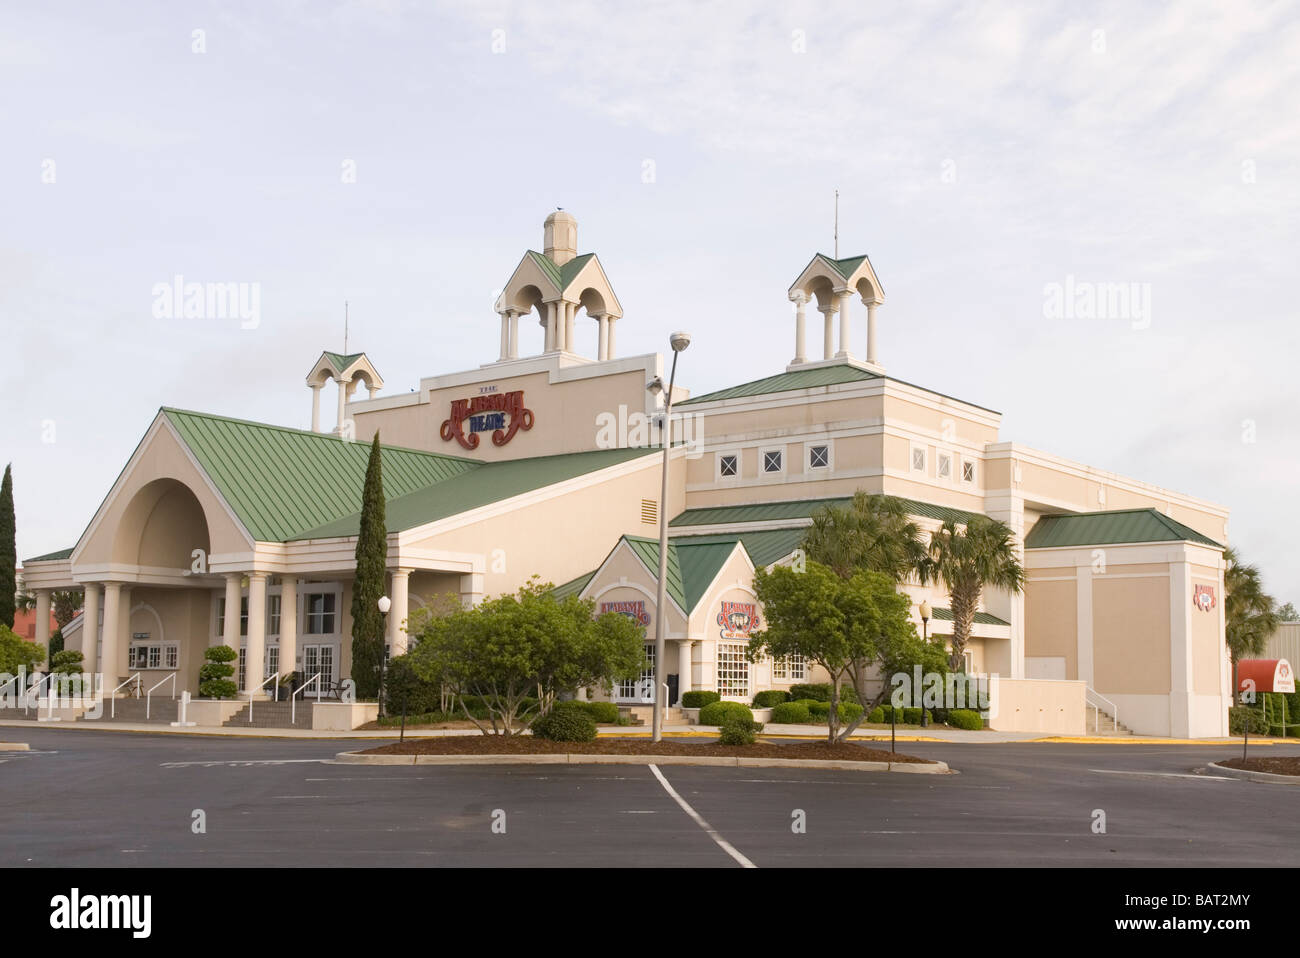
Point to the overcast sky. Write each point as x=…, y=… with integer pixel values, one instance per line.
x=982, y=153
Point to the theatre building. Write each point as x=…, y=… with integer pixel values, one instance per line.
x=544, y=462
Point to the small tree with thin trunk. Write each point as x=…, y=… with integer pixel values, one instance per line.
x=368, y=584
x=8, y=552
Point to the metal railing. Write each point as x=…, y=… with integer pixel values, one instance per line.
x=112, y=702
x=1091, y=693
x=258, y=688
x=293, y=697
x=148, y=695
x=34, y=695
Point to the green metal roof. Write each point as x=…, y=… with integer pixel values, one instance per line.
x=802, y=509
x=764, y=547
x=846, y=266
x=691, y=567
x=341, y=362
x=573, y=586
x=479, y=485
x=282, y=482
x=1111, y=528
x=561, y=276
x=52, y=556
x=981, y=618
x=784, y=382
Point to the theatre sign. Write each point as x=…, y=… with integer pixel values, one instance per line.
x=502, y=414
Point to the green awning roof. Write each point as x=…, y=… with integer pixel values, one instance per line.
x=1111, y=528
x=784, y=382
x=764, y=547
x=981, y=618
x=52, y=556
x=573, y=586
x=561, y=276
x=341, y=362
x=802, y=509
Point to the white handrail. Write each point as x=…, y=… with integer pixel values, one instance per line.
x=112, y=702
x=21, y=692
x=1096, y=709
x=148, y=695
x=33, y=694
x=293, y=696
x=258, y=688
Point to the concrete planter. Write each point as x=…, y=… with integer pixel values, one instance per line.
x=212, y=712
x=342, y=716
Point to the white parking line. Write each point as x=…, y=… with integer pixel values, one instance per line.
x=243, y=762
x=1140, y=774
x=725, y=845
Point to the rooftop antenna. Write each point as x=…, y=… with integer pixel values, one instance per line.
x=837, y=224
x=345, y=327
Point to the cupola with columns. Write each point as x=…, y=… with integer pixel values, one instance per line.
x=346, y=372
x=832, y=285
x=558, y=283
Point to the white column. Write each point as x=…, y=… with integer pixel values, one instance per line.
x=550, y=326
x=505, y=335
x=255, y=644
x=43, y=619
x=683, y=667
x=845, y=297
x=230, y=631
x=871, y=333
x=602, y=325
x=315, y=407
x=90, y=628
x=514, y=335
x=112, y=629
x=800, y=304
x=828, y=316
x=609, y=338
x=400, y=595
x=289, y=625
x=343, y=394
x=570, y=312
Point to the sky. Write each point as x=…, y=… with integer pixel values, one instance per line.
x=401, y=156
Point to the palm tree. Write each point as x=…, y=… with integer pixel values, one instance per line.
x=1249, y=613
x=874, y=533
x=968, y=560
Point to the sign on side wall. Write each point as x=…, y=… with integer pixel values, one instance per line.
x=1203, y=597
x=738, y=619
x=634, y=610
x=502, y=414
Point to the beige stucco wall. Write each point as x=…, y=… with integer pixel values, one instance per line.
x=1131, y=635
x=1052, y=621
x=1038, y=705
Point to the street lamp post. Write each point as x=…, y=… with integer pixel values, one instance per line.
x=679, y=341
x=925, y=637
x=385, y=603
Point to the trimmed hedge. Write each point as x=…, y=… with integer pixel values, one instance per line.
x=1239, y=717
x=818, y=709
x=697, y=700
x=965, y=718
x=773, y=697
x=791, y=713
x=877, y=715
x=736, y=730
x=821, y=691
x=716, y=713
x=912, y=716
x=566, y=725
x=606, y=712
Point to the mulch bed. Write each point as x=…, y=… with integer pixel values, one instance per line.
x=528, y=745
x=1279, y=765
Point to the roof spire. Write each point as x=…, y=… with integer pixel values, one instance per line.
x=837, y=226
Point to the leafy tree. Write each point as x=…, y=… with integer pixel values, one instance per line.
x=850, y=627
x=968, y=560
x=369, y=582
x=16, y=652
x=1249, y=613
x=519, y=652
x=874, y=533
x=214, y=676
x=8, y=552
x=1288, y=613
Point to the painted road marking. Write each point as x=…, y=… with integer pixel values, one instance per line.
x=696, y=817
x=1139, y=774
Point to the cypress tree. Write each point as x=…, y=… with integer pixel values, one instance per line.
x=8, y=552
x=369, y=581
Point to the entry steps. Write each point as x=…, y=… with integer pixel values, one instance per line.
x=644, y=714
x=1101, y=722
x=271, y=715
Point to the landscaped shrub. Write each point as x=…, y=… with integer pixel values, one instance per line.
x=818, y=709
x=606, y=712
x=214, y=676
x=820, y=691
x=791, y=713
x=697, y=700
x=965, y=718
x=765, y=700
x=1275, y=712
x=912, y=716
x=67, y=662
x=715, y=713
x=737, y=730
x=405, y=691
x=849, y=711
x=566, y=725
x=1243, y=716
x=877, y=715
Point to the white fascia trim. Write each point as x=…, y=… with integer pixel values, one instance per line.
x=728, y=528
x=535, y=496
x=785, y=479
x=50, y=574
x=1011, y=450
x=838, y=429
x=1124, y=553
x=143, y=575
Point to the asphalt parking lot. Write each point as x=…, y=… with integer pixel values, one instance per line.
x=83, y=798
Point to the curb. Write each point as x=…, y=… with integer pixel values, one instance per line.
x=1214, y=768
x=577, y=758
x=13, y=747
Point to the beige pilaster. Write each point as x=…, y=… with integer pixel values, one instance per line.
x=255, y=642
x=230, y=629
x=397, y=615
x=343, y=395
x=90, y=628
x=550, y=327
x=43, y=618
x=289, y=625
x=505, y=335
x=684, y=667
x=609, y=338
x=602, y=326
x=800, y=305
x=513, y=345
x=570, y=312
x=110, y=665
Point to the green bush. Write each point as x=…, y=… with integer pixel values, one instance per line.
x=766, y=700
x=912, y=716
x=604, y=712
x=566, y=725
x=820, y=692
x=849, y=711
x=697, y=700
x=405, y=691
x=1243, y=716
x=737, y=730
x=819, y=709
x=56, y=646
x=877, y=715
x=716, y=713
x=1275, y=712
x=214, y=676
x=16, y=652
x=965, y=718
x=791, y=713
x=67, y=662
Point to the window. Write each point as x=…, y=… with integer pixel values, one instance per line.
x=272, y=615
x=272, y=661
x=918, y=459
x=772, y=460
x=819, y=457
x=242, y=659
x=943, y=465
x=320, y=613
x=967, y=471
x=789, y=667
x=144, y=654
x=728, y=466
x=733, y=670
x=243, y=616
x=641, y=689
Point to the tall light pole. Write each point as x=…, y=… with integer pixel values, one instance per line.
x=925, y=637
x=385, y=603
x=678, y=341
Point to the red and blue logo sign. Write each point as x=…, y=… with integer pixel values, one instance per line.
x=633, y=610
x=1204, y=598
x=501, y=414
x=738, y=619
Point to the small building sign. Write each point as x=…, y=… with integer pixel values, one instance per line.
x=1204, y=598
x=1265, y=675
x=738, y=619
x=502, y=414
